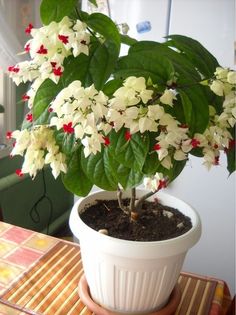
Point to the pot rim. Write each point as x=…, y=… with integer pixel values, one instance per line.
x=195, y=219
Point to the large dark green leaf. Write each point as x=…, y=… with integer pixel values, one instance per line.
x=196, y=108
x=55, y=10
x=75, y=179
x=76, y=69
x=66, y=142
x=45, y=93
x=132, y=153
x=102, y=63
x=103, y=25
x=151, y=164
x=200, y=57
x=97, y=168
x=146, y=64
x=180, y=63
x=111, y=86
x=127, y=177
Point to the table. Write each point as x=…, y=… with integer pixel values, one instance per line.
x=39, y=274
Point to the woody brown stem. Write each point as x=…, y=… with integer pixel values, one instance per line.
x=139, y=202
x=120, y=202
x=132, y=200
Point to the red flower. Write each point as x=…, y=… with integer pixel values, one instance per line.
x=128, y=136
x=42, y=50
x=53, y=64
x=13, y=69
x=216, y=162
x=28, y=29
x=106, y=141
x=68, y=128
x=183, y=126
x=29, y=117
x=50, y=109
x=9, y=134
x=25, y=97
x=195, y=143
x=27, y=48
x=57, y=71
x=162, y=184
x=63, y=38
x=19, y=173
x=156, y=147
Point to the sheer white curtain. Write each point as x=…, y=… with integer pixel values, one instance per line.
x=15, y=16
x=10, y=45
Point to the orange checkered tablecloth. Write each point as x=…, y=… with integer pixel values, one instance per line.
x=39, y=274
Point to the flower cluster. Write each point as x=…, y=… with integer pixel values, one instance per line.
x=39, y=148
x=48, y=48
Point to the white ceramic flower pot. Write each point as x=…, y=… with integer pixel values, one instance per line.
x=127, y=276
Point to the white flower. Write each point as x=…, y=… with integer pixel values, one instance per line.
x=155, y=182
x=155, y=112
x=168, y=97
x=221, y=73
x=166, y=162
x=179, y=155
x=147, y=124
x=137, y=84
x=231, y=77
x=217, y=87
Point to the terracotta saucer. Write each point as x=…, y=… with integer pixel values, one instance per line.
x=84, y=294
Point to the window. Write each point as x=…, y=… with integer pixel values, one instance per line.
x=15, y=16
x=8, y=118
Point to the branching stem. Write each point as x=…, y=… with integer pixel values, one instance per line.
x=120, y=201
x=139, y=202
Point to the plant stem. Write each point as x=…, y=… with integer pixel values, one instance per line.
x=139, y=202
x=120, y=202
x=132, y=200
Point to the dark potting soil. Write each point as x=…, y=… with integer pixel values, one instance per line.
x=156, y=221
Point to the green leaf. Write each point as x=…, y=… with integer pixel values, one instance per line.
x=132, y=153
x=187, y=107
x=76, y=69
x=97, y=168
x=66, y=142
x=75, y=179
x=196, y=108
x=45, y=93
x=151, y=164
x=179, y=63
x=111, y=86
x=174, y=172
x=146, y=64
x=125, y=39
x=127, y=177
x=199, y=56
x=55, y=10
x=103, y=25
x=94, y=2
x=102, y=63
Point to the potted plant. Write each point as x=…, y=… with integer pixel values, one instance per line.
x=115, y=122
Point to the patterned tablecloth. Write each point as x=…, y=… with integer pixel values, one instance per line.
x=39, y=274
